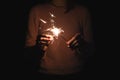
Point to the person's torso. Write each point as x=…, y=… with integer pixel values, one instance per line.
x=60, y=59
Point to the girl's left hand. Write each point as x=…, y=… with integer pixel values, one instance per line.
x=74, y=42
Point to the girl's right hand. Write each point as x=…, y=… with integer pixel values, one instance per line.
x=44, y=40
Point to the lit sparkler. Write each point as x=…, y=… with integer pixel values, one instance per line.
x=53, y=29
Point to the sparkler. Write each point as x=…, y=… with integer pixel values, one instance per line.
x=53, y=29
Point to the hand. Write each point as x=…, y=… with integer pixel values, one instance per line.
x=44, y=40
x=74, y=42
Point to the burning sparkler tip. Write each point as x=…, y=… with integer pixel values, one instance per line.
x=52, y=15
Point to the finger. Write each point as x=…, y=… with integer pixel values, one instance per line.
x=46, y=35
x=71, y=43
x=50, y=37
x=44, y=39
x=74, y=44
x=45, y=42
x=73, y=38
x=42, y=42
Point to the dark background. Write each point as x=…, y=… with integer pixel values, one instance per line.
x=15, y=16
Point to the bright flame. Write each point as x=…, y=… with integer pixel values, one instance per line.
x=55, y=31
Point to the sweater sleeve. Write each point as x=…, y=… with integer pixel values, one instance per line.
x=88, y=46
x=32, y=30
x=87, y=26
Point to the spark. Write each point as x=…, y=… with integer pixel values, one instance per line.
x=55, y=31
x=43, y=21
x=52, y=15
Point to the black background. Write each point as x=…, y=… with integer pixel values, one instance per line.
x=15, y=16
